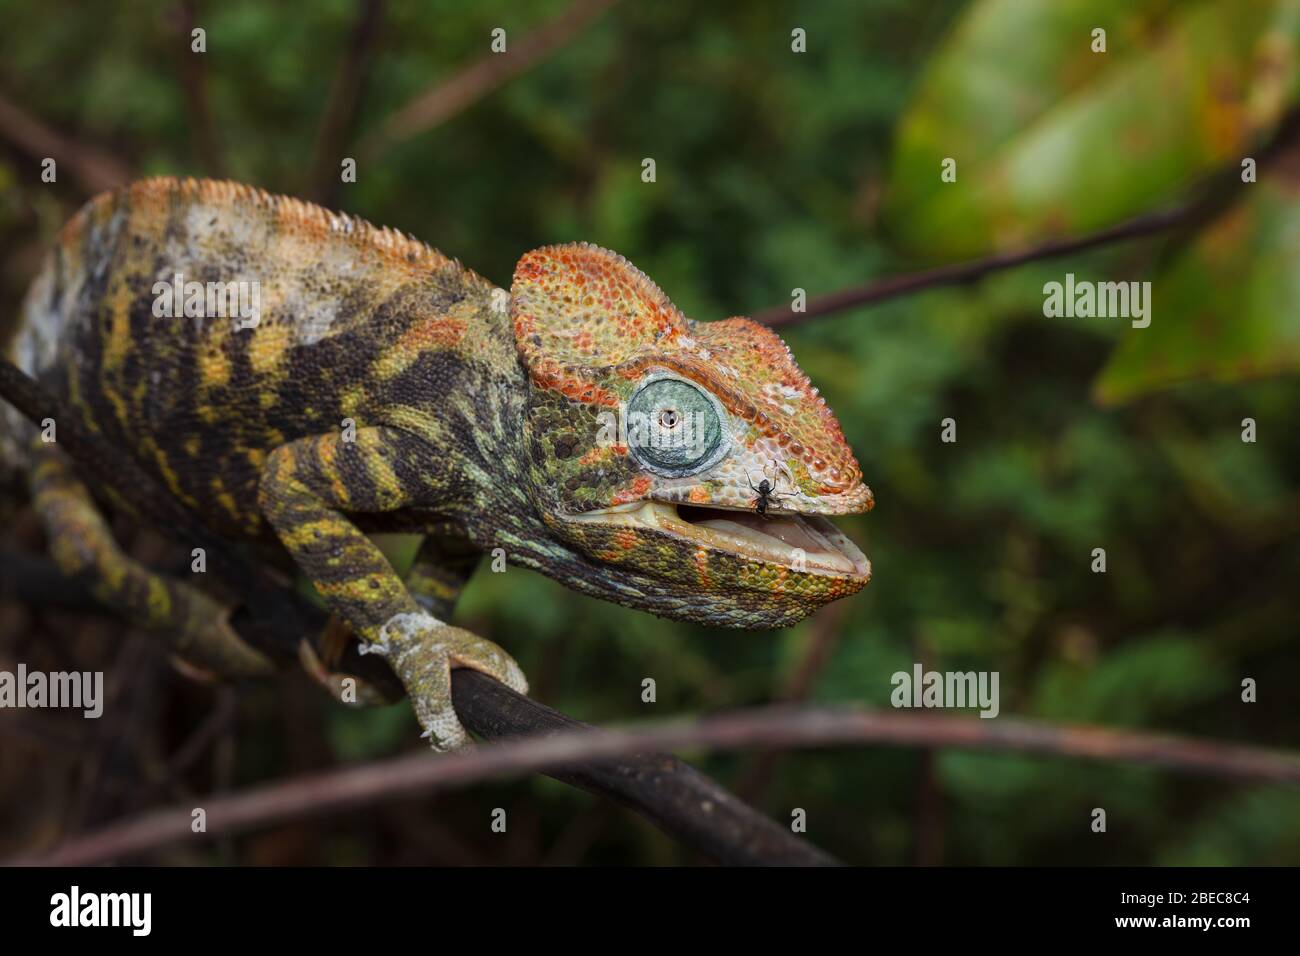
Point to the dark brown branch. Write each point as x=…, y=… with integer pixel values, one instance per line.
x=1214, y=196
x=93, y=168
x=881, y=290
x=194, y=81
x=671, y=794
x=821, y=645
x=444, y=100
x=341, y=109
x=37, y=581
x=357, y=786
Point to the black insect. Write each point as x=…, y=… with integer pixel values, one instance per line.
x=766, y=491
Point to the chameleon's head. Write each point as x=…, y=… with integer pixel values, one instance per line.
x=695, y=453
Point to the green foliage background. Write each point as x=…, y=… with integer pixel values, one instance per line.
x=776, y=171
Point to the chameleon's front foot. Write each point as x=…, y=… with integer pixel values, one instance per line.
x=422, y=652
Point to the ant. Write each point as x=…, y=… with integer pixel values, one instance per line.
x=766, y=492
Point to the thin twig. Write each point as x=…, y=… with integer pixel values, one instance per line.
x=93, y=168
x=444, y=100
x=417, y=773
x=341, y=108
x=881, y=290
x=1216, y=194
x=818, y=650
x=194, y=81
x=219, y=721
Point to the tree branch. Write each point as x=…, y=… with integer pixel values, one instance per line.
x=1214, y=196
x=93, y=168
x=671, y=794
x=194, y=82
x=357, y=786
x=340, y=110
x=881, y=290
x=444, y=100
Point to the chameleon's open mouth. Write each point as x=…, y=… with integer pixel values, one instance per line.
x=804, y=543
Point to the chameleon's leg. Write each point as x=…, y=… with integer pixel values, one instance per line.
x=435, y=579
x=83, y=546
x=442, y=566
x=306, y=488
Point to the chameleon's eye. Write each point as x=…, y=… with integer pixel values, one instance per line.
x=674, y=427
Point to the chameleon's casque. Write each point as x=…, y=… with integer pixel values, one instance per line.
x=581, y=423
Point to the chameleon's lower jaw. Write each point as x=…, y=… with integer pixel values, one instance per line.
x=807, y=544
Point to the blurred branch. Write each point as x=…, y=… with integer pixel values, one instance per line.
x=881, y=290
x=341, y=109
x=95, y=169
x=445, y=99
x=818, y=650
x=417, y=773
x=38, y=581
x=671, y=794
x=194, y=80
x=220, y=719
x=1218, y=193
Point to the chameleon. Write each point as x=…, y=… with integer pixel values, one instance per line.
x=578, y=421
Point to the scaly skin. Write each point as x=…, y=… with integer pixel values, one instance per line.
x=388, y=388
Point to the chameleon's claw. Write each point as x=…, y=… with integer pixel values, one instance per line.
x=422, y=651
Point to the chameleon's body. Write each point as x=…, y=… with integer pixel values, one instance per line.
x=384, y=387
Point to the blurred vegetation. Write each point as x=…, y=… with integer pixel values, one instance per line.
x=774, y=171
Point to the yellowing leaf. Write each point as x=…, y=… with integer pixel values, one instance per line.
x=1226, y=309
x=1052, y=139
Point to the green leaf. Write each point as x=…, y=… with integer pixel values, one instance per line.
x=1226, y=309
x=1053, y=139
